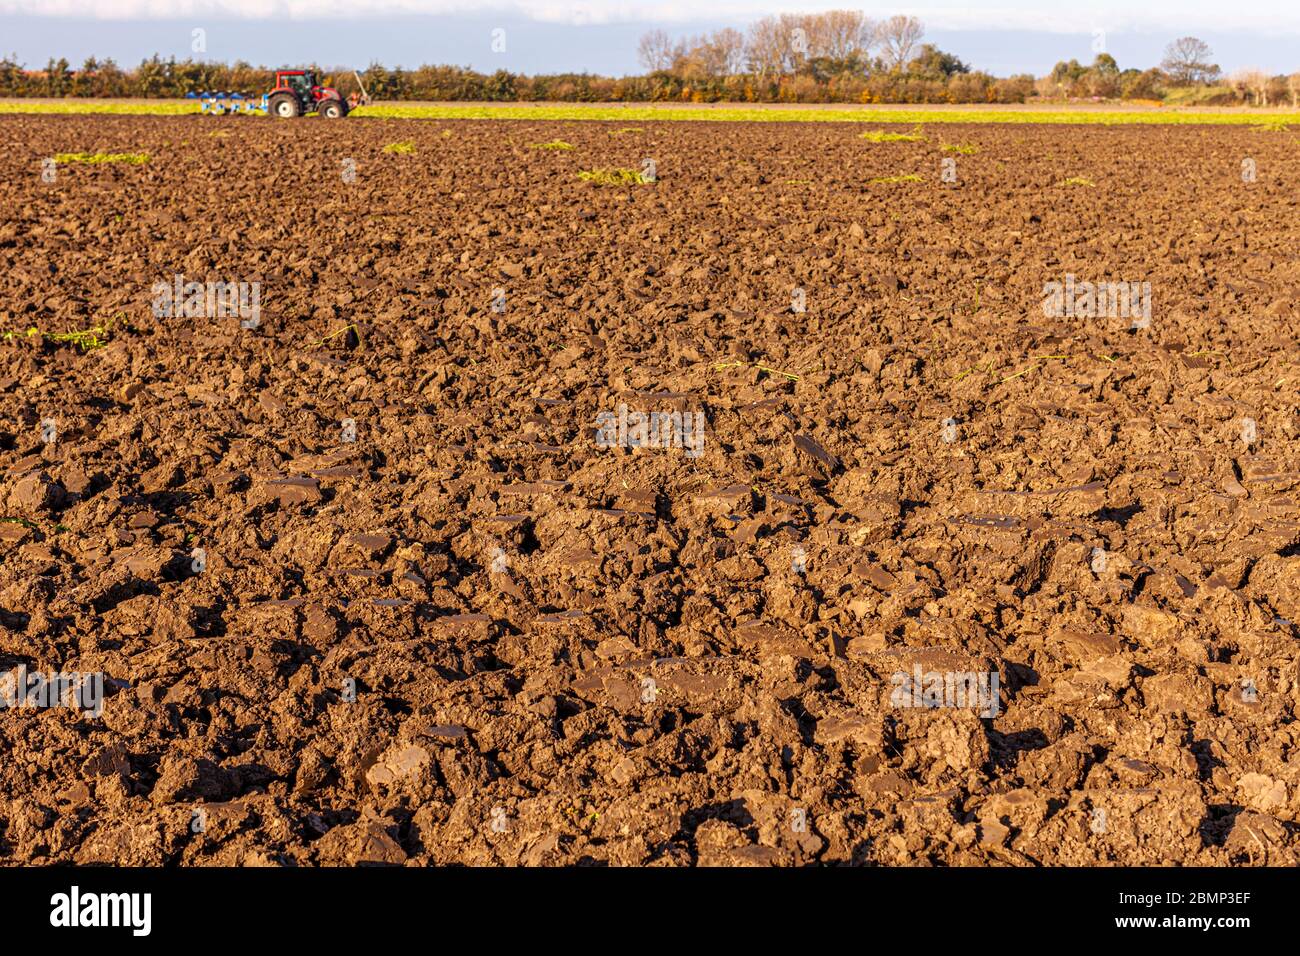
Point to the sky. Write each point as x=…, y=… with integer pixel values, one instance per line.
x=600, y=36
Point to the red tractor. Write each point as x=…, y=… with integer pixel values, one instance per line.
x=296, y=93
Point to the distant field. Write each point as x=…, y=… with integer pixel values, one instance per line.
x=1090, y=114
x=866, y=114
x=124, y=107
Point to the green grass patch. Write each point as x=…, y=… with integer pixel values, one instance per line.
x=907, y=178
x=963, y=150
x=555, y=144
x=1077, y=181
x=1200, y=96
x=402, y=148
x=613, y=177
x=884, y=136
x=135, y=159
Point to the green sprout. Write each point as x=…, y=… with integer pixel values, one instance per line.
x=614, y=177
x=882, y=136
x=87, y=340
x=135, y=159
x=908, y=178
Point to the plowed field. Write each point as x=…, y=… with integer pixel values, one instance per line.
x=370, y=578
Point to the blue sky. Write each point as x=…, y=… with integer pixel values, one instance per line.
x=1002, y=36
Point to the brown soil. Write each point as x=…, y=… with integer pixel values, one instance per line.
x=568, y=653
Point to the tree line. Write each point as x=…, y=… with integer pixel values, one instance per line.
x=840, y=56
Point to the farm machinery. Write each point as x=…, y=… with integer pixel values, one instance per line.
x=296, y=93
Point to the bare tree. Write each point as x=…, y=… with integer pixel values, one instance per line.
x=1277, y=89
x=720, y=53
x=784, y=44
x=760, y=46
x=1259, y=83
x=1239, y=83
x=727, y=51
x=1252, y=81
x=1293, y=87
x=898, y=37
x=657, y=52
x=840, y=34
x=776, y=44
x=1187, y=60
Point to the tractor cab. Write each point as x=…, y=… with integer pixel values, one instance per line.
x=300, y=81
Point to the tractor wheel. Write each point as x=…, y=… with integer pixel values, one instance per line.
x=331, y=109
x=282, y=106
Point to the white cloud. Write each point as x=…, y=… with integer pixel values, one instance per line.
x=1270, y=16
